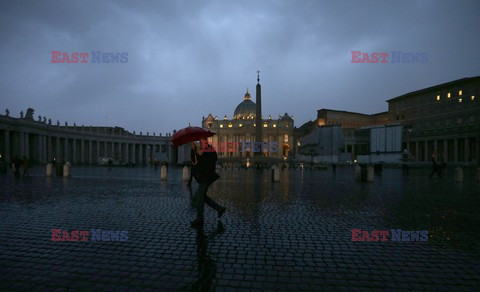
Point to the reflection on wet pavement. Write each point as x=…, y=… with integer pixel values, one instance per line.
x=293, y=234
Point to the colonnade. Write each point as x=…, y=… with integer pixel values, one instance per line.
x=42, y=143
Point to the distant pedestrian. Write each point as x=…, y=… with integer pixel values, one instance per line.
x=405, y=168
x=110, y=162
x=206, y=175
x=155, y=164
x=435, y=168
x=334, y=168
x=16, y=163
x=26, y=166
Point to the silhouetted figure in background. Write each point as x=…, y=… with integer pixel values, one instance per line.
x=26, y=166
x=16, y=166
x=206, y=175
x=435, y=168
x=110, y=162
x=334, y=168
x=405, y=168
x=194, y=160
x=155, y=164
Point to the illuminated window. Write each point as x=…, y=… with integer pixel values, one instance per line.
x=265, y=125
x=473, y=97
x=275, y=125
x=459, y=100
x=459, y=93
x=254, y=125
x=240, y=125
x=221, y=126
x=448, y=95
x=230, y=125
x=438, y=97
x=285, y=138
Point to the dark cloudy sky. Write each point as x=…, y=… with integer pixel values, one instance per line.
x=190, y=58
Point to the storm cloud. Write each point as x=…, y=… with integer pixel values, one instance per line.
x=187, y=59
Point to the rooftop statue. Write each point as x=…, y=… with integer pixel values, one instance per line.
x=29, y=114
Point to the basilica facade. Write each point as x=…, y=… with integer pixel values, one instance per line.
x=239, y=132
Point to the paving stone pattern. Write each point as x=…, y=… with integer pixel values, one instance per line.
x=290, y=235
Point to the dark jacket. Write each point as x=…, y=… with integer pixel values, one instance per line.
x=205, y=172
x=194, y=159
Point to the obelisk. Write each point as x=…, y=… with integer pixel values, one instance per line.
x=258, y=118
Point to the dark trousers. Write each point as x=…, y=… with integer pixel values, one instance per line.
x=193, y=173
x=201, y=197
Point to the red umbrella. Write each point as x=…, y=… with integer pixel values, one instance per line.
x=190, y=134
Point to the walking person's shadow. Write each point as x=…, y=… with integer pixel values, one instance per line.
x=206, y=265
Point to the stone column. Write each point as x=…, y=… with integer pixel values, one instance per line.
x=121, y=152
x=280, y=150
x=90, y=151
x=151, y=152
x=48, y=144
x=74, y=151
x=27, y=145
x=65, y=147
x=467, y=149
x=40, y=148
x=435, y=149
x=417, y=151
x=6, y=140
x=169, y=153
x=57, y=148
x=45, y=149
x=455, y=150
x=425, y=152
x=98, y=151
x=113, y=149
x=82, y=151
x=445, y=150
x=127, y=152
x=140, y=154
x=134, y=153
x=22, y=144
x=105, y=148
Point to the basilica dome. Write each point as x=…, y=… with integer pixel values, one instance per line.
x=246, y=109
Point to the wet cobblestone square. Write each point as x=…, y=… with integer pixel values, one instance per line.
x=290, y=235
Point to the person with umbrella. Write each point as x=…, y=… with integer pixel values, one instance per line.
x=205, y=176
x=205, y=169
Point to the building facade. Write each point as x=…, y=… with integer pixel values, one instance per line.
x=347, y=120
x=442, y=121
x=42, y=142
x=241, y=128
